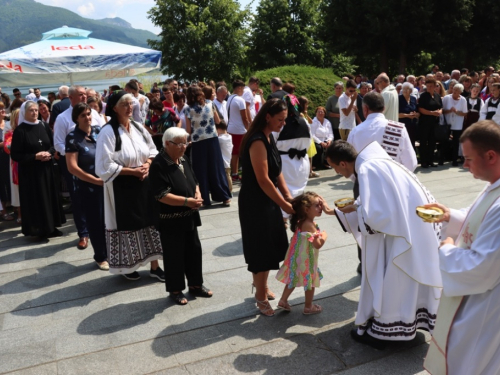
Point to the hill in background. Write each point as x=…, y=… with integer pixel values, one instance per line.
x=23, y=22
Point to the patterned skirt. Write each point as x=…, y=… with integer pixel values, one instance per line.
x=129, y=250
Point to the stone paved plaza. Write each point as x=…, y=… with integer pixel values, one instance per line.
x=61, y=315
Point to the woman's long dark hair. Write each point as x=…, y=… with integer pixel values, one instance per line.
x=300, y=204
x=195, y=95
x=271, y=107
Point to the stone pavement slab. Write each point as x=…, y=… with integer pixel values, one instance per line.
x=59, y=314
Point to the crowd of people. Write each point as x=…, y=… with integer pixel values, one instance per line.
x=139, y=166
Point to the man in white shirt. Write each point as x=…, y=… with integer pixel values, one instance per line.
x=491, y=108
x=391, y=135
x=38, y=95
x=391, y=100
x=31, y=95
x=138, y=112
x=253, y=85
x=466, y=338
x=62, y=127
x=347, y=105
x=238, y=123
x=220, y=101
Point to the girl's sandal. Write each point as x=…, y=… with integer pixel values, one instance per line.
x=267, y=310
x=284, y=305
x=314, y=309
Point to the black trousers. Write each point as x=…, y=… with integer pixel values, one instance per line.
x=76, y=206
x=92, y=204
x=427, y=143
x=181, y=258
x=318, y=160
x=455, y=144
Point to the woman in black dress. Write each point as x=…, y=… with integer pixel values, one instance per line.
x=263, y=234
x=32, y=148
x=178, y=198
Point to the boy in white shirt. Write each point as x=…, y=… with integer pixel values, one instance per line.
x=347, y=105
x=226, y=147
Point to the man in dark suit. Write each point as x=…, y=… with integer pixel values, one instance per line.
x=276, y=89
x=61, y=106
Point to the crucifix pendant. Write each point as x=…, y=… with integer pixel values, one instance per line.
x=40, y=141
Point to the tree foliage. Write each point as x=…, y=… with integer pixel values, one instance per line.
x=200, y=39
x=395, y=31
x=284, y=32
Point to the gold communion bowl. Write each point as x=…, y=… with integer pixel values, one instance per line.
x=430, y=215
x=343, y=202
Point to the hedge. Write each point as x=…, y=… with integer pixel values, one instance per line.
x=315, y=84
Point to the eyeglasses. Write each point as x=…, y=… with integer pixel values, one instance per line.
x=179, y=144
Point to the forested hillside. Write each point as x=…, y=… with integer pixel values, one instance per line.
x=23, y=22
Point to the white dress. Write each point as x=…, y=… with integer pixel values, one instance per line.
x=295, y=169
x=127, y=250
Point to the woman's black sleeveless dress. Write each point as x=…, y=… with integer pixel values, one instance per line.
x=263, y=233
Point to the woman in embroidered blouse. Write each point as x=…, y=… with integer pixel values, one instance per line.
x=178, y=198
x=123, y=156
x=206, y=155
x=322, y=134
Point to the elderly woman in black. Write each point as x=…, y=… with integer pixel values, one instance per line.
x=80, y=158
x=178, y=198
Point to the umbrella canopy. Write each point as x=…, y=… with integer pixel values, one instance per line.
x=68, y=53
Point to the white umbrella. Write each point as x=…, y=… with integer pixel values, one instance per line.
x=68, y=53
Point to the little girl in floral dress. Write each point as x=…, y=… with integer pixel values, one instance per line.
x=300, y=267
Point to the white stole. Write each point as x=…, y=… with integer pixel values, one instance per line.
x=436, y=359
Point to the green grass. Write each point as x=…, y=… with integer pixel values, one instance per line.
x=315, y=84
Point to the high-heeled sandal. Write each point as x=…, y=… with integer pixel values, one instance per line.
x=270, y=295
x=282, y=305
x=267, y=310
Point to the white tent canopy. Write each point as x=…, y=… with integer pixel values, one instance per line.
x=68, y=53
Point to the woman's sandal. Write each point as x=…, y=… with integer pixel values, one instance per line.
x=314, y=309
x=270, y=295
x=314, y=174
x=19, y=221
x=227, y=203
x=7, y=217
x=200, y=291
x=267, y=310
x=283, y=305
x=179, y=298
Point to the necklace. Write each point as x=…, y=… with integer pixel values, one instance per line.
x=39, y=138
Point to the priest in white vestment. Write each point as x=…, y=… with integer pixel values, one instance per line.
x=391, y=135
x=467, y=336
x=391, y=97
x=400, y=282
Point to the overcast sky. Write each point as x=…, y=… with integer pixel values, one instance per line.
x=133, y=11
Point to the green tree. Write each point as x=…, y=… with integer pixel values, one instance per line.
x=284, y=32
x=200, y=39
x=395, y=31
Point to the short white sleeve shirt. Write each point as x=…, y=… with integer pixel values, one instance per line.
x=249, y=98
x=235, y=125
x=346, y=122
